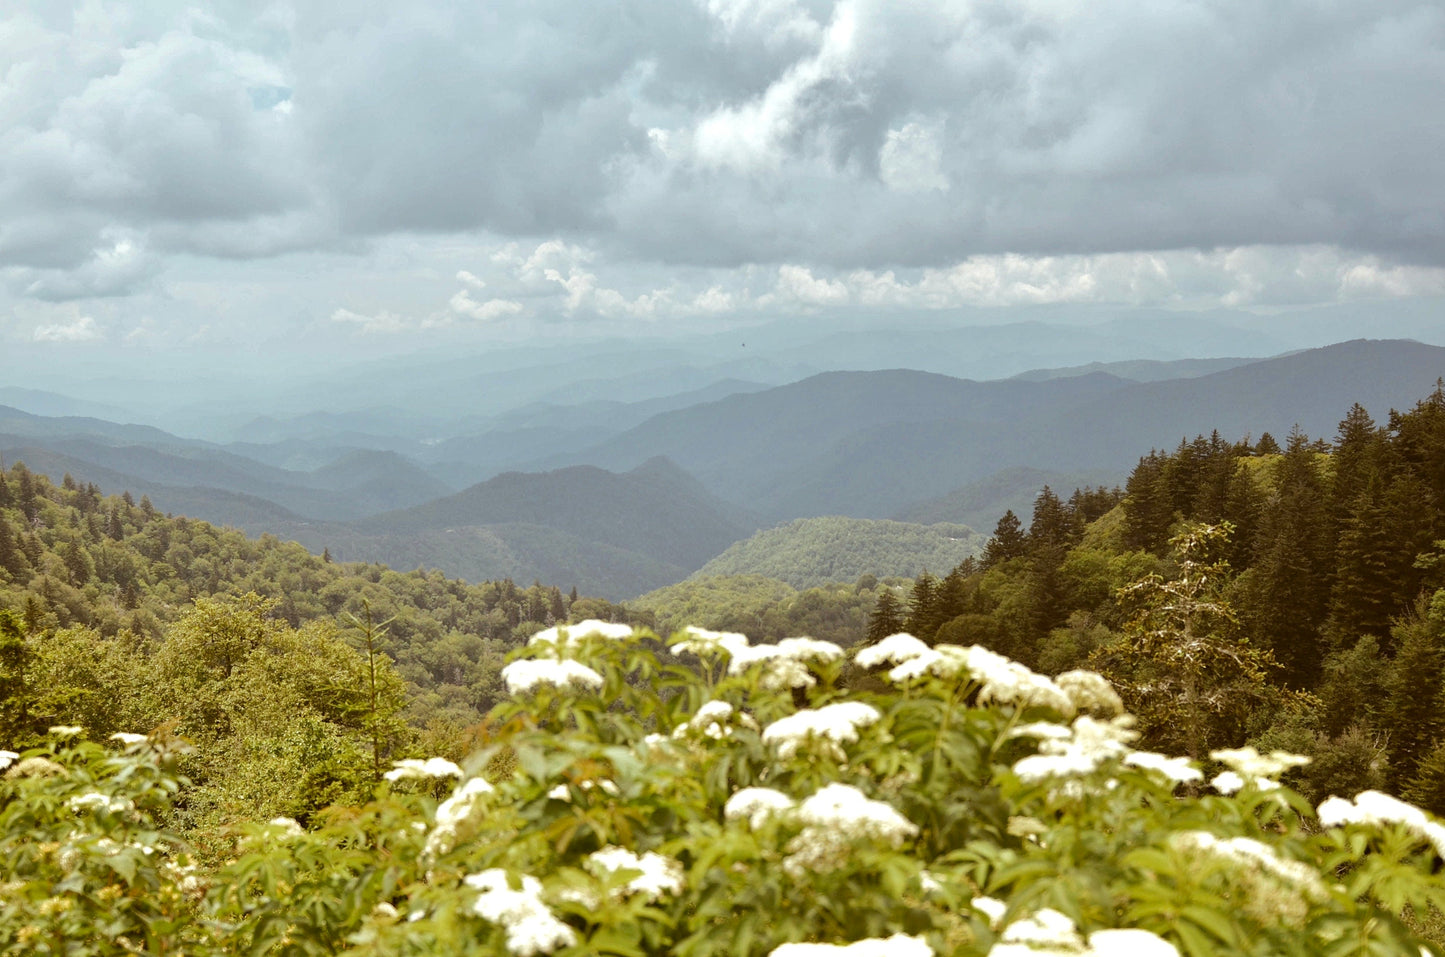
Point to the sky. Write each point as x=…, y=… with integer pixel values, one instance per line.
x=298, y=180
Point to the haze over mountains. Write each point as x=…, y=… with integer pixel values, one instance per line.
x=640, y=489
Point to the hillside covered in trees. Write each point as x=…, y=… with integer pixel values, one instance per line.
x=1308, y=574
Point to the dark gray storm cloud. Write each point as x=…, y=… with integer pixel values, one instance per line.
x=856, y=134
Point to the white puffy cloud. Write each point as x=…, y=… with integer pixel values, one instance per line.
x=656, y=159
x=78, y=329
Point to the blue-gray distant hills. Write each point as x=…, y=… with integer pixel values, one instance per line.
x=668, y=484
x=876, y=444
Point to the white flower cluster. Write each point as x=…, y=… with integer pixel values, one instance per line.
x=562, y=792
x=526, y=674
x=1002, y=680
x=566, y=636
x=834, y=724
x=899, y=945
x=1090, y=691
x=1177, y=770
x=1052, y=933
x=531, y=928
x=1076, y=750
x=95, y=801
x=833, y=819
x=704, y=643
x=1248, y=766
x=787, y=661
x=129, y=738
x=757, y=805
x=66, y=730
x=455, y=813
x=8, y=758
x=1374, y=809
x=657, y=875
x=416, y=768
x=714, y=720
x=285, y=828
x=1273, y=889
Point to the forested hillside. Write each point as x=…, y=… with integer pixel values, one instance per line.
x=101, y=585
x=816, y=551
x=1308, y=571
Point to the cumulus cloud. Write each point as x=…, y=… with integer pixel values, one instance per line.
x=78, y=329
x=852, y=152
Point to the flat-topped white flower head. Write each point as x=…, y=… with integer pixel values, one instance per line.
x=129, y=738
x=899, y=945
x=1251, y=767
x=836, y=817
x=530, y=927
x=893, y=650
x=1374, y=808
x=705, y=643
x=417, y=768
x=785, y=663
x=756, y=805
x=836, y=723
x=1089, y=744
x=66, y=730
x=1090, y=691
x=658, y=874
x=1177, y=770
x=563, y=636
x=1048, y=931
x=527, y=674
x=1129, y=942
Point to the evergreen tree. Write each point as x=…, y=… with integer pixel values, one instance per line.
x=1008, y=541
x=1266, y=445
x=922, y=618
x=1287, y=592
x=1147, y=511
x=12, y=559
x=887, y=616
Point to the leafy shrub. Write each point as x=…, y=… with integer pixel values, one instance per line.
x=728, y=798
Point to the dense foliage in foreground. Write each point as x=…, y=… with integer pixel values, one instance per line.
x=1329, y=578
x=723, y=798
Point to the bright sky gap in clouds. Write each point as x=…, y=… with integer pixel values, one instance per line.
x=222, y=172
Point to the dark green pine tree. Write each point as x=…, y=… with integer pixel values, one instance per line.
x=12, y=559
x=7, y=498
x=1267, y=445
x=1147, y=512
x=1411, y=716
x=1008, y=542
x=1288, y=592
x=25, y=495
x=922, y=620
x=887, y=616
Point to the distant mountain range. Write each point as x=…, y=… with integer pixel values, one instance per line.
x=623, y=494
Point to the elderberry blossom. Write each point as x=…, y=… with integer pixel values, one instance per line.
x=1374, y=808
x=530, y=926
x=836, y=817
x=899, y=945
x=129, y=738
x=1089, y=744
x=1260, y=770
x=1007, y=682
x=757, y=805
x=526, y=674
x=1177, y=770
x=1047, y=932
x=1090, y=691
x=786, y=661
x=705, y=643
x=416, y=768
x=658, y=875
x=8, y=758
x=711, y=720
x=1273, y=889
x=893, y=650
x=836, y=724
x=564, y=636
x=456, y=813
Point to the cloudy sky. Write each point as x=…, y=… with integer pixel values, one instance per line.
x=424, y=172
